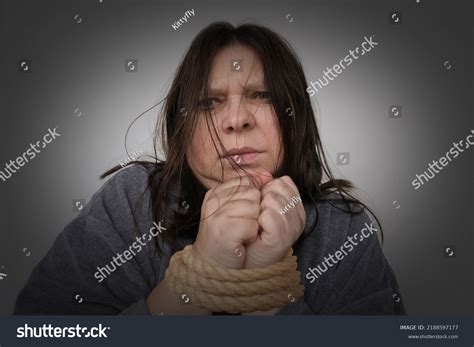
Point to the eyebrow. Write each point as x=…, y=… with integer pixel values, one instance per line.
x=216, y=90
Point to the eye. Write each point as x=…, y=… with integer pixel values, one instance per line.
x=265, y=96
x=208, y=104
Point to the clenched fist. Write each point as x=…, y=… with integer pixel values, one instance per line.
x=244, y=222
x=281, y=221
x=229, y=220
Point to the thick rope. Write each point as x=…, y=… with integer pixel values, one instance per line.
x=222, y=290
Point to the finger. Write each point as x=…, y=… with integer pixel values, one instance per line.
x=233, y=194
x=242, y=208
x=244, y=180
x=234, y=182
x=290, y=208
x=281, y=227
x=269, y=220
x=273, y=200
x=282, y=185
x=260, y=179
x=248, y=229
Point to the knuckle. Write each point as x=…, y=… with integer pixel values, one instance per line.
x=241, y=181
x=287, y=181
x=208, y=194
x=252, y=203
x=271, y=195
x=254, y=193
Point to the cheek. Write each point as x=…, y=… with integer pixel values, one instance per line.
x=274, y=144
x=272, y=133
x=274, y=136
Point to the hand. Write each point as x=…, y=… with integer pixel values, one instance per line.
x=280, y=228
x=229, y=219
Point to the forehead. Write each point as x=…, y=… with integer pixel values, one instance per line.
x=236, y=66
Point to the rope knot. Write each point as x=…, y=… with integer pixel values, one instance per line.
x=233, y=291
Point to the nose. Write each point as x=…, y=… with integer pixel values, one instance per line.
x=237, y=117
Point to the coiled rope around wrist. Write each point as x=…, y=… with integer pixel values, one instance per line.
x=234, y=291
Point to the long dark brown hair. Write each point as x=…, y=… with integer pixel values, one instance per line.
x=176, y=194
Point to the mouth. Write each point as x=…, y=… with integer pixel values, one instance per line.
x=243, y=156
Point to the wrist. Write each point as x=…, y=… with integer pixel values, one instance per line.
x=254, y=261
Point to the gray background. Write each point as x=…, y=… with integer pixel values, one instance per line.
x=82, y=65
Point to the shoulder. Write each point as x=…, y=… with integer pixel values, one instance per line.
x=332, y=220
x=121, y=192
x=341, y=260
x=114, y=225
x=128, y=179
x=116, y=209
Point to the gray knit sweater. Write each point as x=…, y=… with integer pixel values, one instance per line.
x=99, y=266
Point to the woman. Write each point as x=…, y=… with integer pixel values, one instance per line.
x=242, y=183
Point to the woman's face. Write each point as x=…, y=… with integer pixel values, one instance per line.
x=243, y=117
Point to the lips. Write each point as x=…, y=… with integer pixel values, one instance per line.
x=244, y=155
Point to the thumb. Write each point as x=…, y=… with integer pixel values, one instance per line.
x=260, y=179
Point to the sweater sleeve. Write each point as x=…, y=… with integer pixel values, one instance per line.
x=344, y=270
x=67, y=280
